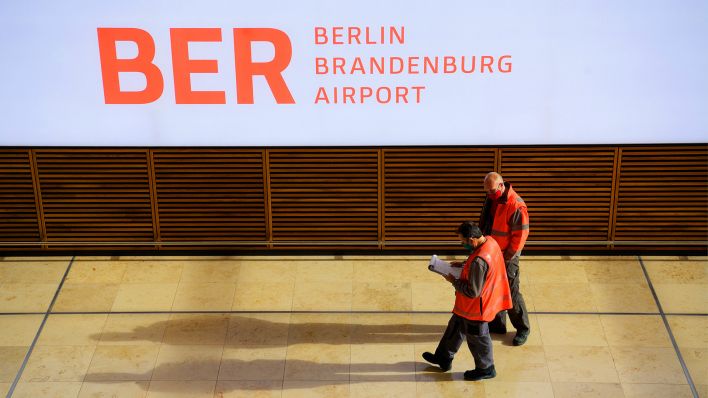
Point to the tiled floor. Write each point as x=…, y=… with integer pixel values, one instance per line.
x=352, y=326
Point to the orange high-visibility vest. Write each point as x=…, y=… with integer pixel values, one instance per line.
x=495, y=295
x=501, y=230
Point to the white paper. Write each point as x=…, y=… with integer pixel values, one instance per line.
x=442, y=267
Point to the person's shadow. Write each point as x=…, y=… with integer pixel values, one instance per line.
x=254, y=332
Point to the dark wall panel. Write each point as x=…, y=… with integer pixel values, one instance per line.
x=18, y=210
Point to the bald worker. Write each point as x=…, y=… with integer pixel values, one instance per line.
x=505, y=217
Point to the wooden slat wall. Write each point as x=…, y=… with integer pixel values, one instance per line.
x=210, y=195
x=568, y=191
x=663, y=194
x=428, y=192
x=95, y=195
x=324, y=195
x=346, y=198
x=18, y=209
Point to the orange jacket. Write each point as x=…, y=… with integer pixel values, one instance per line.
x=509, y=225
x=495, y=295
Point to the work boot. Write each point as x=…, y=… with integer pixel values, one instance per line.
x=479, y=374
x=444, y=365
x=521, y=337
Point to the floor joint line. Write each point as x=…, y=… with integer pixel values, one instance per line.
x=669, y=331
x=39, y=331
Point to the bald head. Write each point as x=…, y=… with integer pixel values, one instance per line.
x=492, y=181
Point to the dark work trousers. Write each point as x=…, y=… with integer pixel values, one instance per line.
x=478, y=341
x=517, y=314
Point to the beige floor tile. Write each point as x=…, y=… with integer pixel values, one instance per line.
x=26, y=297
x=47, y=390
x=4, y=388
x=381, y=296
x=697, y=362
x=315, y=389
x=683, y=298
x=320, y=329
x=382, y=362
x=394, y=271
x=322, y=296
x=58, y=363
x=702, y=390
x=213, y=271
x=72, y=330
x=581, y=364
x=577, y=330
x=553, y=272
x=196, y=329
x=263, y=271
x=188, y=362
x=690, y=331
x=122, y=389
x=10, y=361
x=19, y=330
x=96, y=271
x=587, y=390
x=657, y=390
x=617, y=297
x=204, y=296
x=433, y=296
x=181, y=389
x=647, y=365
x=134, y=329
x=25, y=259
x=431, y=389
x=396, y=328
x=264, y=296
x=145, y=297
x=43, y=272
x=258, y=329
x=249, y=389
x=253, y=363
x=382, y=389
x=499, y=389
x=614, y=271
x=122, y=363
x=520, y=364
x=560, y=297
x=75, y=297
x=323, y=271
x=152, y=272
x=677, y=272
x=317, y=362
x=635, y=331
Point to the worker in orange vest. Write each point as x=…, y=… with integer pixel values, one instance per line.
x=481, y=292
x=505, y=217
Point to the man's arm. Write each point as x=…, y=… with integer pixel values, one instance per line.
x=477, y=276
x=519, y=223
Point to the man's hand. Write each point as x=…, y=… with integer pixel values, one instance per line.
x=449, y=277
x=457, y=264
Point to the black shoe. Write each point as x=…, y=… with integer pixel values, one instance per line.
x=521, y=337
x=497, y=329
x=480, y=374
x=430, y=357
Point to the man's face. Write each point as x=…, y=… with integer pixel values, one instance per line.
x=492, y=187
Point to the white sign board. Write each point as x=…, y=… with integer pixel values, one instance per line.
x=364, y=73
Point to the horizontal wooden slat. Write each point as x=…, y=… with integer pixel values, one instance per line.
x=663, y=194
x=18, y=212
x=210, y=195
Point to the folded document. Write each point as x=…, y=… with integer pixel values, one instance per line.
x=442, y=267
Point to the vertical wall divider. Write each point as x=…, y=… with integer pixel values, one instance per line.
x=154, y=206
x=32, y=157
x=615, y=196
x=382, y=199
x=265, y=157
x=497, y=160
